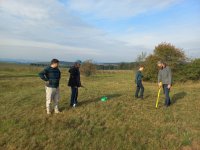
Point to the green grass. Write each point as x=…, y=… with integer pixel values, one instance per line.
x=121, y=123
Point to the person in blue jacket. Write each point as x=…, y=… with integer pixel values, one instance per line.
x=51, y=75
x=138, y=81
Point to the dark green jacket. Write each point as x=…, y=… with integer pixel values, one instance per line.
x=138, y=77
x=51, y=76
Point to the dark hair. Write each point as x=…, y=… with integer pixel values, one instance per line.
x=54, y=61
x=164, y=64
x=141, y=66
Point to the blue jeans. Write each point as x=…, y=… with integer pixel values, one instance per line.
x=140, y=88
x=74, y=96
x=166, y=92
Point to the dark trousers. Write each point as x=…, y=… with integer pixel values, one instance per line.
x=140, y=89
x=166, y=92
x=74, y=96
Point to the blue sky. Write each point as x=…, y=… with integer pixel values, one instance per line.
x=102, y=30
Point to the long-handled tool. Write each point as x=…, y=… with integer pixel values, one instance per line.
x=158, y=97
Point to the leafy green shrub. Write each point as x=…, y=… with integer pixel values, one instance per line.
x=166, y=52
x=189, y=71
x=88, y=68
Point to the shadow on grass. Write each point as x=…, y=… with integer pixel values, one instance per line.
x=110, y=97
x=63, y=107
x=178, y=96
x=86, y=102
x=146, y=97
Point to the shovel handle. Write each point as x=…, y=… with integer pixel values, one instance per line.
x=158, y=97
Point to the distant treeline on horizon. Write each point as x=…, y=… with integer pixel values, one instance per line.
x=99, y=66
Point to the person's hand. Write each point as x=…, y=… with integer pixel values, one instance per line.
x=169, y=86
x=47, y=83
x=160, y=85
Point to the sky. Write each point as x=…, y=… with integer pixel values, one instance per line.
x=101, y=30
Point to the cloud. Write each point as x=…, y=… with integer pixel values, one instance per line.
x=44, y=45
x=42, y=51
x=24, y=9
x=51, y=28
x=22, y=20
x=117, y=9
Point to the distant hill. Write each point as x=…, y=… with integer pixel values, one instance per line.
x=16, y=61
x=65, y=64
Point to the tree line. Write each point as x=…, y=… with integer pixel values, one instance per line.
x=182, y=67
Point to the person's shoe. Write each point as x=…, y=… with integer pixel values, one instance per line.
x=57, y=111
x=136, y=97
x=74, y=105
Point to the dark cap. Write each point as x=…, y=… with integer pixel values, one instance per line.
x=78, y=62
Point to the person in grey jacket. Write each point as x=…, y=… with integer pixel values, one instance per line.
x=165, y=80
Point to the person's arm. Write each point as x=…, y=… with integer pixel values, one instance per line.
x=59, y=74
x=78, y=79
x=159, y=76
x=43, y=75
x=169, y=78
x=159, y=79
x=136, y=78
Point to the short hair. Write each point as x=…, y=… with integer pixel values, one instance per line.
x=141, y=66
x=165, y=64
x=54, y=61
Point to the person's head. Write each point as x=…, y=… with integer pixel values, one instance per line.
x=141, y=68
x=77, y=64
x=54, y=63
x=161, y=64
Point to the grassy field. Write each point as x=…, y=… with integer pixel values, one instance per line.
x=121, y=123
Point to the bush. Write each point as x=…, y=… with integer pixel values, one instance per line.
x=88, y=68
x=151, y=70
x=166, y=52
x=189, y=71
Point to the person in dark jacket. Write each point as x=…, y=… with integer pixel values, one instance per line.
x=138, y=81
x=74, y=83
x=165, y=80
x=51, y=75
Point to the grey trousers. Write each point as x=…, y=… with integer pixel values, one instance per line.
x=52, y=94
